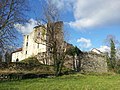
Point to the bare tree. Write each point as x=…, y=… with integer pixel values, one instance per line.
x=109, y=38
x=11, y=12
x=55, y=35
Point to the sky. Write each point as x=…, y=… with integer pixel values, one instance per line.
x=88, y=22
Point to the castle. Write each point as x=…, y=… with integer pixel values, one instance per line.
x=35, y=44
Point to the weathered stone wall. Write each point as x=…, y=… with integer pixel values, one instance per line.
x=92, y=62
x=89, y=62
x=68, y=63
x=19, y=67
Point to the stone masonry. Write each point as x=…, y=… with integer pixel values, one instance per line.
x=92, y=62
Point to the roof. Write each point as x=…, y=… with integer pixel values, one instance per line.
x=18, y=50
x=38, y=26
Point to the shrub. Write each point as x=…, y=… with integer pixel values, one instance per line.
x=31, y=61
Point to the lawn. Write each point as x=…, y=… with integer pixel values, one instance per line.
x=68, y=82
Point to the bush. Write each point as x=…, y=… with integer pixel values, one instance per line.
x=31, y=61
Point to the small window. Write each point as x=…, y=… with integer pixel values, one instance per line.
x=26, y=52
x=26, y=43
x=27, y=36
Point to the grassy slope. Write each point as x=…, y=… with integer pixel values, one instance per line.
x=70, y=82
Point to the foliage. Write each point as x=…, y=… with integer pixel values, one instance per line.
x=78, y=51
x=112, y=59
x=112, y=54
x=31, y=61
x=67, y=82
x=71, y=51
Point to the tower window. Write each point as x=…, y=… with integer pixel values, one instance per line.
x=26, y=43
x=26, y=52
x=27, y=36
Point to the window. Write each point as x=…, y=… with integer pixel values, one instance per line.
x=26, y=43
x=26, y=52
x=27, y=36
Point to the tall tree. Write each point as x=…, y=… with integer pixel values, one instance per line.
x=55, y=39
x=111, y=59
x=112, y=54
x=11, y=12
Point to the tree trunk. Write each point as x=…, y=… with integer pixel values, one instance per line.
x=74, y=63
x=79, y=63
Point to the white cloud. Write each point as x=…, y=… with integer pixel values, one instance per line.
x=27, y=28
x=93, y=13
x=84, y=43
x=63, y=4
x=104, y=49
x=58, y=3
x=82, y=23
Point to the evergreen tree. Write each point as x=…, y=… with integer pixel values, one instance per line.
x=112, y=53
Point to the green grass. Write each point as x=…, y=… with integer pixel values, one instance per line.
x=70, y=82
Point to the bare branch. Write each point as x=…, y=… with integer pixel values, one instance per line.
x=11, y=12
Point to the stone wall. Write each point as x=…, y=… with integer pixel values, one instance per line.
x=19, y=67
x=92, y=62
x=87, y=62
x=68, y=63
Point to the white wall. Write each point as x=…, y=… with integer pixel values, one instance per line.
x=17, y=55
x=32, y=48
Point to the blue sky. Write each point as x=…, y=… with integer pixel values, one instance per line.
x=87, y=21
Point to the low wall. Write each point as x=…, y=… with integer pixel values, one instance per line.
x=25, y=68
x=18, y=70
